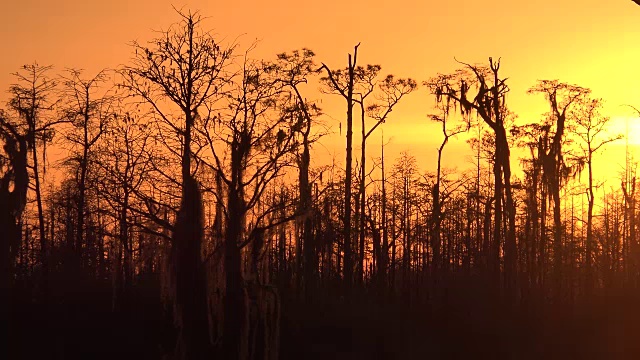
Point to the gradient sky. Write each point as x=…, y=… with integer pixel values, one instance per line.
x=593, y=43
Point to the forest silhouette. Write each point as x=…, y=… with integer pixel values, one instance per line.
x=189, y=219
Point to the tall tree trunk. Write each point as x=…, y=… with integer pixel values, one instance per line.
x=44, y=250
x=590, y=226
x=437, y=220
x=235, y=325
x=557, y=242
x=362, y=198
x=497, y=223
x=13, y=202
x=82, y=186
x=190, y=279
x=234, y=300
x=310, y=261
x=511, y=251
x=384, y=251
x=189, y=270
x=348, y=257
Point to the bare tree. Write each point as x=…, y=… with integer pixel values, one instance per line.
x=124, y=169
x=250, y=142
x=343, y=82
x=404, y=180
x=436, y=201
x=297, y=68
x=88, y=112
x=591, y=126
x=185, y=68
x=391, y=90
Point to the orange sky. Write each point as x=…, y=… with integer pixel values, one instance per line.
x=593, y=43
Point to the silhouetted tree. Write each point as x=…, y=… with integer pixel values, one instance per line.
x=199, y=184
x=533, y=242
x=561, y=97
x=391, y=90
x=488, y=101
x=31, y=99
x=124, y=168
x=297, y=68
x=258, y=140
x=591, y=126
x=14, y=183
x=88, y=113
x=435, y=196
x=343, y=82
x=404, y=196
x=183, y=67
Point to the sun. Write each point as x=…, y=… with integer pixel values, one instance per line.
x=627, y=126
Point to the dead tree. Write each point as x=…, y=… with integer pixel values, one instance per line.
x=343, y=83
x=391, y=90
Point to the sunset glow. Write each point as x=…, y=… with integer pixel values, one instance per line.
x=285, y=180
x=589, y=43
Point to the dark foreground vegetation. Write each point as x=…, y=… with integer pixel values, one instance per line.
x=188, y=220
x=605, y=328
